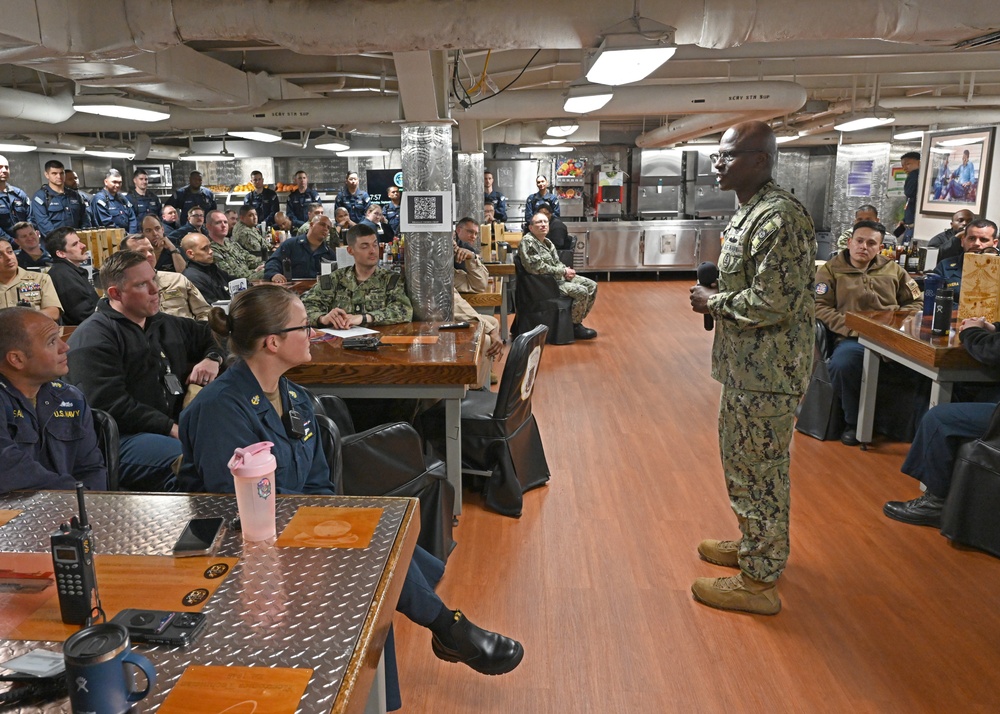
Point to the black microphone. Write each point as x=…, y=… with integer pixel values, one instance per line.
x=708, y=273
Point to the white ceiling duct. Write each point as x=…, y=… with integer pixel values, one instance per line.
x=694, y=127
x=16, y=104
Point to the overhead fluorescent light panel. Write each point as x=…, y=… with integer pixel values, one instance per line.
x=583, y=98
x=110, y=105
x=268, y=136
x=629, y=57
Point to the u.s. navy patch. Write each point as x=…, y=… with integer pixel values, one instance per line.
x=822, y=288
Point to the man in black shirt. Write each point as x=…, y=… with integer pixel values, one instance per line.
x=202, y=270
x=72, y=282
x=136, y=363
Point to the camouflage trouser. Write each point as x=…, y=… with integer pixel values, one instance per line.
x=583, y=291
x=755, y=430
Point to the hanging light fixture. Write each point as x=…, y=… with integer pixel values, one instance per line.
x=332, y=142
x=553, y=141
x=866, y=119
x=583, y=97
x=624, y=58
x=909, y=135
x=562, y=129
x=541, y=149
x=17, y=146
x=192, y=155
x=268, y=136
x=110, y=152
x=110, y=105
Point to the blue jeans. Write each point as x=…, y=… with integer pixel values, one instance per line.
x=147, y=461
x=931, y=457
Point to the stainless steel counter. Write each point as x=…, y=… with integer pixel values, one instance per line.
x=646, y=245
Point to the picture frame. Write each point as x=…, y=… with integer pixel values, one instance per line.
x=951, y=181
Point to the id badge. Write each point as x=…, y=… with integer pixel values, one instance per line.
x=174, y=385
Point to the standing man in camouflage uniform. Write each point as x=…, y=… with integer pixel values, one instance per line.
x=362, y=294
x=764, y=313
x=539, y=256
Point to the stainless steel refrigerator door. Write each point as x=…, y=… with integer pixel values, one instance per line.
x=670, y=247
x=611, y=248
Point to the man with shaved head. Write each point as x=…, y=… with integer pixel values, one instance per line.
x=763, y=307
x=949, y=241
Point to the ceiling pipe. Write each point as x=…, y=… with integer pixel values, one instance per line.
x=18, y=104
x=694, y=127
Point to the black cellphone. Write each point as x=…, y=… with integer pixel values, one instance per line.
x=158, y=627
x=454, y=326
x=200, y=537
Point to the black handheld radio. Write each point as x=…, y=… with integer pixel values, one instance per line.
x=73, y=562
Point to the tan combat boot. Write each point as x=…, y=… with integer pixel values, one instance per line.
x=738, y=592
x=720, y=552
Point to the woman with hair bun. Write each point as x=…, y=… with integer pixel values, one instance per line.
x=268, y=331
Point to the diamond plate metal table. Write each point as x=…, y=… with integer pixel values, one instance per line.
x=328, y=610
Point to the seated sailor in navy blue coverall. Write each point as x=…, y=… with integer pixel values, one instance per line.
x=269, y=331
x=979, y=236
x=47, y=437
x=931, y=457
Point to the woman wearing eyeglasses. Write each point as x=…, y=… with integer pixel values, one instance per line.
x=268, y=330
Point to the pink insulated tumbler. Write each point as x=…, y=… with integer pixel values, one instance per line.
x=253, y=474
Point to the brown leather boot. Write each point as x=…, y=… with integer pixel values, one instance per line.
x=738, y=592
x=720, y=552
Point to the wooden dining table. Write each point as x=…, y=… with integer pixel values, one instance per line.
x=905, y=337
x=416, y=361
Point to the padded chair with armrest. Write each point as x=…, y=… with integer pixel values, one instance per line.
x=388, y=460
x=500, y=437
x=538, y=301
x=972, y=510
x=109, y=442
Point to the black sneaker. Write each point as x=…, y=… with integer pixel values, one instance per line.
x=922, y=511
x=850, y=437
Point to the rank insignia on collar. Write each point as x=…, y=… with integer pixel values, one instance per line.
x=255, y=400
x=292, y=394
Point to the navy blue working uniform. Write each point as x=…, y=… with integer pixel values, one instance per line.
x=391, y=213
x=51, y=209
x=187, y=198
x=305, y=261
x=499, y=202
x=107, y=211
x=356, y=203
x=48, y=444
x=28, y=263
x=148, y=204
x=14, y=208
x=535, y=200
x=265, y=203
x=950, y=271
x=297, y=206
x=233, y=411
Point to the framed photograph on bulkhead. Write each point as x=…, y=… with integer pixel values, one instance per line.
x=956, y=172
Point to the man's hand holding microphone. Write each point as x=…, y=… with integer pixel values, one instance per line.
x=708, y=285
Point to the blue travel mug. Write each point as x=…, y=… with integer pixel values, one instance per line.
x=96, y=659
x=932, y=281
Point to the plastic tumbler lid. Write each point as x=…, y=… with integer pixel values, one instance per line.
x=253, y=461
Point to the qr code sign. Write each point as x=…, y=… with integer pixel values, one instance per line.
x=426, y=209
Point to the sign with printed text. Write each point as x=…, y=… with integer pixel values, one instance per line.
x=426, y=211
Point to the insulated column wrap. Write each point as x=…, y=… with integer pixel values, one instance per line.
x=430, y=272
x=469, y=186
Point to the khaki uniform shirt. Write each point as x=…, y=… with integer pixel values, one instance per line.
x=232, y=259
x=179, y=296
x=382, y=296
x=473, y=278
x=764, y=310
x=882, y=285
x=34, y=288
